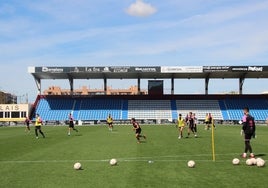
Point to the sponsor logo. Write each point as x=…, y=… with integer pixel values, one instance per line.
x=216, y=68
x=145, y=69
x=52, y=70
x=242, y=69
x=255, y=69
x=120, y=69
x=106, y=69
x=92, y=69
x=185, y=69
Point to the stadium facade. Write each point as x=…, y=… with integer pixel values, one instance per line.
x=155, y=106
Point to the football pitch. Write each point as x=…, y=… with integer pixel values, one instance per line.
x=160, y=161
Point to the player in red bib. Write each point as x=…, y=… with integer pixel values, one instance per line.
x=137, y=129
x=71, y=124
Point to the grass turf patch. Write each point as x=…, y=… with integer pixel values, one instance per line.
x=29, y=162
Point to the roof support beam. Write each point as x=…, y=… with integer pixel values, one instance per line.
x=71, y=81
x=172, y=85
x=38, y=84
x=206, y=85
x=139, y=85
x=105, y=85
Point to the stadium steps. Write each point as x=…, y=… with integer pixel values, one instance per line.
x=76, y=109
x=224, y=111
x=125, y=109
x=174, y=110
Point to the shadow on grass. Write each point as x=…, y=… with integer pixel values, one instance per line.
x=142, y=141
x=260, y=155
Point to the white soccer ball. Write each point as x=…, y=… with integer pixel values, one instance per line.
x=113, y=162
x=249, y=162
x=260, y=163
x=259, y=159
x=77, y=166
x=191, y=164
x=236, y=161
x=254, y=161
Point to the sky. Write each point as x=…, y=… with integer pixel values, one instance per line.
x=131, y=33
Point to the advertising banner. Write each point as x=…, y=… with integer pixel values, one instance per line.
x=52, y=69
x=145, y=69
x=235, y=68
x=182, y=69
x=216, y=68
x=115, y=69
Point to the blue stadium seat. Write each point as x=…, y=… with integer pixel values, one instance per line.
x=258, y=108
x=57, y=108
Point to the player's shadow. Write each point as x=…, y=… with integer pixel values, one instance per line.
x=260, y=155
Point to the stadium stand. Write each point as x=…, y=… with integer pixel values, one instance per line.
x=150, y=109
x=54, y=108
x=222, y=107
x=154, y=105
x=258, y=108
x=57, y=109
x=98, y=109
x=200, y=108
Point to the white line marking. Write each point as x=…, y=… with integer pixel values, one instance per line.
x=176, y=158
x=106, y=161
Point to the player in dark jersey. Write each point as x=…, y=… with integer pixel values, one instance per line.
x=186, y=119
x=191, y=125
x=249, y=130
x=71, y=124
x=137, y=129
x=27, y=123
x=195, y=124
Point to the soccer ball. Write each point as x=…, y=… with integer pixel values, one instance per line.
x=113, y=162
x=191, y=164
x=259, y=159
x=254, y=161
x=249, y=162
x=260, y=163
x=236, y=161
x=77, y=166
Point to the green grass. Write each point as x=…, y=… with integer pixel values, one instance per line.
x=28, y=162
